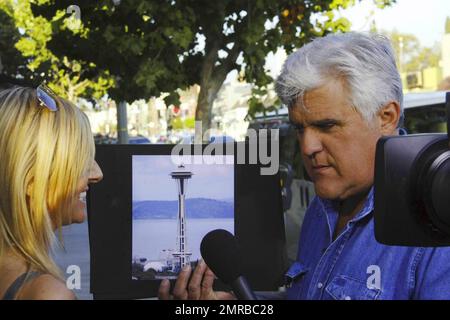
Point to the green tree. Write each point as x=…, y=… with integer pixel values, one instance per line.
x=411, y=56
x=405, y=46
x=424, y=58
x=70, y=78
x=13, y=66
x=138, y=49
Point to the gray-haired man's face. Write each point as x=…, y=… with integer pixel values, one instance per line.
x=337, y=145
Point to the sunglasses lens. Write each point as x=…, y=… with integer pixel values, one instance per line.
x=46, y=99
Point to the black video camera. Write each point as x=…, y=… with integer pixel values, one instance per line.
x=412, y=189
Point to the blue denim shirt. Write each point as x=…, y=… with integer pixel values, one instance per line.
x=355, y=266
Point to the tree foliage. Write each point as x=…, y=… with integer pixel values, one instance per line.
x=69, y=77
x=411, y=56
x=138, y=48
x=13, y=66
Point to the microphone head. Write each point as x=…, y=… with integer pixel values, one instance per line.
x=221, y=253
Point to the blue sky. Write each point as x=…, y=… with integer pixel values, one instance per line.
x=151, y=179
x=423, y=18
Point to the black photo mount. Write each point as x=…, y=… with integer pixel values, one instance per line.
x=259, y=225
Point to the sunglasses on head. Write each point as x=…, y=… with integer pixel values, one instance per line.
x=46, y=97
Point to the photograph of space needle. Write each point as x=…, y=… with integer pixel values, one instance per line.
x=181, y=256
x=174, y=206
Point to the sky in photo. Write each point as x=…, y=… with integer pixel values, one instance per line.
x=152, y=180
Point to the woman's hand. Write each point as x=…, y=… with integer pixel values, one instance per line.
x=199, y=287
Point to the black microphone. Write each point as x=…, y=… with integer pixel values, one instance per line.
x=221, y=253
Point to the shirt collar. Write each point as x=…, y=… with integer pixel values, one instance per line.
x=330, y=207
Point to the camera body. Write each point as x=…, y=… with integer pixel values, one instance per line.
x=412, y=189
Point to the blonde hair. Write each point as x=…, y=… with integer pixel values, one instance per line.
x=43, y=154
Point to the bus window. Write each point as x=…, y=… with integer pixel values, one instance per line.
x=426, y=119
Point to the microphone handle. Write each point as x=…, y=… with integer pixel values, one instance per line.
x=242, y=289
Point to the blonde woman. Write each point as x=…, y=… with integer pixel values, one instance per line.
x=46, y=163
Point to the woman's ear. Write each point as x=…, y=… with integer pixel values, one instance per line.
x=389, y=116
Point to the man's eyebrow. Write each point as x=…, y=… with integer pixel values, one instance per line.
x=317, y=123
x=326, y=122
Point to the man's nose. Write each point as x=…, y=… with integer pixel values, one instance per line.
x=310, y=142
x=96, y=174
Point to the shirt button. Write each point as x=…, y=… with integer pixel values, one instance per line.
x=320, y=285
x=348, y=298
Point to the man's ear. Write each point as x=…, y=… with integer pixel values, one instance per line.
x=389, y=116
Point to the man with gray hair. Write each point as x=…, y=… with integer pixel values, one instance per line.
x=343, y=92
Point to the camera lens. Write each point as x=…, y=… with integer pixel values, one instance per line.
x=432, y=190
x=440, y=192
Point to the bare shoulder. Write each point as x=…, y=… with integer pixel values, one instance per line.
x=46, y=287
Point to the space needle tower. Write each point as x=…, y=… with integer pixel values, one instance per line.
x=181, y=255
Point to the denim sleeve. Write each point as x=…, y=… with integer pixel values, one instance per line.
x=433, y=275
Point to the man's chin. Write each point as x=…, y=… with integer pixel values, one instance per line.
x=326, y=191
